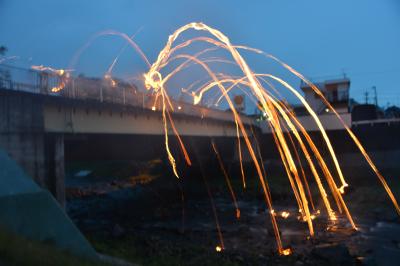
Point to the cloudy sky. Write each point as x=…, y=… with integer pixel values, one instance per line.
x=319, y=38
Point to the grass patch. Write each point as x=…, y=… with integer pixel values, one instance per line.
x=151, y=252
x=16, y=250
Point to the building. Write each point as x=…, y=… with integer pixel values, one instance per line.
x=335, y=91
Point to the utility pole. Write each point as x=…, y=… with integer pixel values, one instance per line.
x=366, y=97
x=376, y=96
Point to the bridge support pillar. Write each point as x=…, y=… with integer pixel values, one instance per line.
x=55, y=166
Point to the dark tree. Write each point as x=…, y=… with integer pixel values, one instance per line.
x=3, y=50
x=392, y=112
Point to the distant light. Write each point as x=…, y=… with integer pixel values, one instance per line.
x=327, y=110
x=179, y=107
x=153, y=108
x=218, y=249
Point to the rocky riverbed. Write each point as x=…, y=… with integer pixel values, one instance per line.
x=155, y=219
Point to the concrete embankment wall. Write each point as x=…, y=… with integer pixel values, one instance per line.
x=21, y=133
x=22, y=136
x=380, y=140
x=29, y=211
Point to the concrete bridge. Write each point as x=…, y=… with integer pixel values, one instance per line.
x=91, y=117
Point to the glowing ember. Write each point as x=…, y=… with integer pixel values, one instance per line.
x=285, y=215
x=108, y=77
x=58, y=72
x=238, y=214
x=286, y=252
x=62, y=74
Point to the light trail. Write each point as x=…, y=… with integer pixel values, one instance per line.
x=291, y=138
x=227, y=179
x=62, y=74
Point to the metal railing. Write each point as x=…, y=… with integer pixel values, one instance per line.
x=42, y=82
x=102, y=90
x=337, y=97
x=323, y=79
x=14, y=78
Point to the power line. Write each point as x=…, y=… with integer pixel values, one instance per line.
x=351, y=74
x=374, y=72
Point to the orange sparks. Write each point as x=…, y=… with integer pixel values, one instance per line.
x=291, y=138
x=61, y=74
x=285, y=214
x=228, y=182
x=285, y=252
x=279, y=119
x=274, y=110
x=42, y=68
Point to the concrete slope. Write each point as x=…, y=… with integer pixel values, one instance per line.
x=32, y=212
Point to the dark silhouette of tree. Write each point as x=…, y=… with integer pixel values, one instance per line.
x=3, y=50
x=392, y=112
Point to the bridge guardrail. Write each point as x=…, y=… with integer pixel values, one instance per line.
x=103, y=90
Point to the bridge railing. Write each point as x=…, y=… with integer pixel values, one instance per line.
x=14, y=78
x=103, y=90
x=44, y=82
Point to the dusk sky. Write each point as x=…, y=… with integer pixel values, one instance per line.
x=320, y=39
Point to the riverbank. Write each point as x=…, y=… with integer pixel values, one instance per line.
x=152, y=218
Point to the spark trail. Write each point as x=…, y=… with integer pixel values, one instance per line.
x=279, y=117
x=287, y=130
